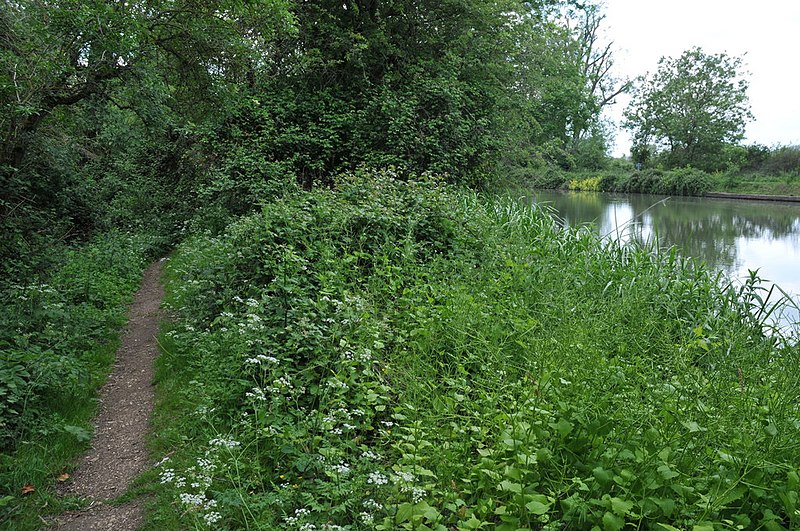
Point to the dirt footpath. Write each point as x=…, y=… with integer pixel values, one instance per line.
x=118, y=452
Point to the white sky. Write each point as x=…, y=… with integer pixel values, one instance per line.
x=768, y=32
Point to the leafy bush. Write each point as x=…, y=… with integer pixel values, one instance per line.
x=589, y=184
x=783, y=160
x=396, y=355
x=548, y=179
x=684, y=181
x=50, y=329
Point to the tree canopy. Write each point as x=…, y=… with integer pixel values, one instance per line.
x=690, y=109
x=227, y=103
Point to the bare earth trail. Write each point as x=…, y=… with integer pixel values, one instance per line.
x=118, y=452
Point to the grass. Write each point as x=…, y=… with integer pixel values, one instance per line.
x=404, y=355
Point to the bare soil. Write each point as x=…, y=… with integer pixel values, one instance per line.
x=118, y=452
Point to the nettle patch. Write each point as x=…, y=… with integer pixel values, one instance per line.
x=396, y=355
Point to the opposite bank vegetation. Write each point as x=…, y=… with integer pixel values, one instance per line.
x=404, y=355
x=622, y=178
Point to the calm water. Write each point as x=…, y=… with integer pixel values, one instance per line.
x=729, y=235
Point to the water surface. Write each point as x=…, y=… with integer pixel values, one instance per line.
x=734, y=236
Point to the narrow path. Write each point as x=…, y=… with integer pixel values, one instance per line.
x=118, y=450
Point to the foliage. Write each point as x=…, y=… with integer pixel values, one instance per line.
x=591, y=152
x=595, y=62
x=783, y=160
x=55, y=334
x=589, y=184
x=684, y=181
x=399, y=355
x=80, y=80
x=690, y=108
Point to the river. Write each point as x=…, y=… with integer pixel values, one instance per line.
x=734, y=236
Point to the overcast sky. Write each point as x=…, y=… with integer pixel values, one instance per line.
x=766, y=33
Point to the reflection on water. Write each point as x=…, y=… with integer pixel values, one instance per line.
x=729, y=235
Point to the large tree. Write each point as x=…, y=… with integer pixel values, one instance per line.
x=690, y=109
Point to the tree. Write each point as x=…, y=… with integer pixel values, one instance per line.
x=690, y=109
x=564, y=72
x=595, y=62
x=71, y=71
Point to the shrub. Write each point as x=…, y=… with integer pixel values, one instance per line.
x=49, y=329
x=684, y=181
x=549, y=179
x=589, y=184
x=783, y=160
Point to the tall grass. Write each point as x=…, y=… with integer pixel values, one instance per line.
x=407, y=356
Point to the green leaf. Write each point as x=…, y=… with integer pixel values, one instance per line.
x=666, y=472
x=731, y=495
x=510, y=486
x=473, y=523
x=602, y=475
x=563, y=427
x=665, y=504
x=404, y=512
x=431, y=514
x=612, y=522
x=692, y=426
x=539, y=505
x=621, y=507
x=80, y=433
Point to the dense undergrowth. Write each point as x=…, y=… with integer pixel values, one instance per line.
x=57, y=341
x=403, y=355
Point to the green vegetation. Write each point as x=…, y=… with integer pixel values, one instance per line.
x=58, y=337
x=651, y=181
x=689, y=110
x=401, y=355
x=362, y=329
x=758, y=170
x=151, y=121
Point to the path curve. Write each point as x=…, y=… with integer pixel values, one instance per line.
x=118, y=453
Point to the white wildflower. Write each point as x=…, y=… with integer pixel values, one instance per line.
x=228, y=443
x=376, y=478
x=341, y=468
x=369, y=503
x=212, y=518
x=195, y=500
x=256, y=394
x=168, y=476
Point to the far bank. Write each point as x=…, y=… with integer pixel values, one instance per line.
x=683, y=181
